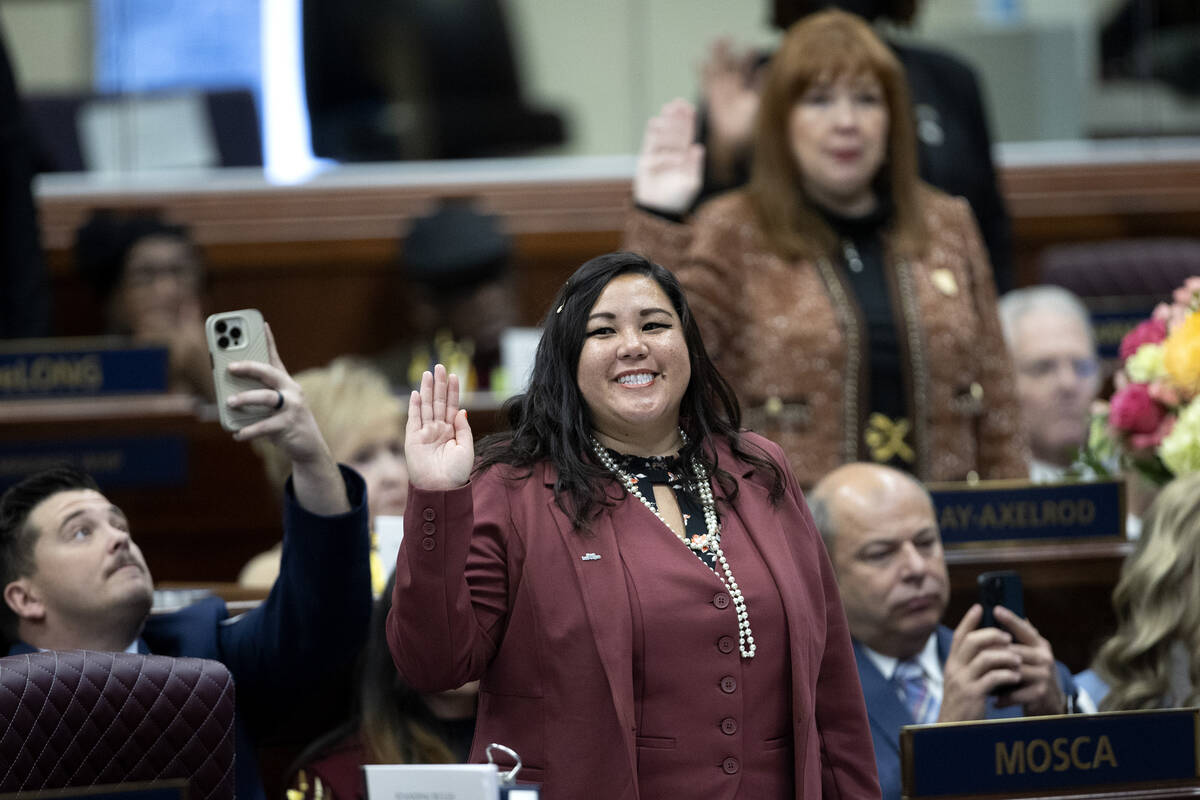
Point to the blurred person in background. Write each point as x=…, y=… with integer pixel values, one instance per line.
x=149, y=277
x=954, y=146
x=363, y=422
x=1049, y=335
x=456, y=262
x=24, y=290
x=1153, y=659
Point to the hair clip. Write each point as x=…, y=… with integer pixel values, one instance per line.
x=560, y=308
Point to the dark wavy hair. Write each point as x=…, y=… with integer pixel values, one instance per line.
x=551, y=422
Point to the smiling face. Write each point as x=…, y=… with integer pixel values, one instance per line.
x=633, y=368
x=90, y=580
x=838, y=131
x=887, y=553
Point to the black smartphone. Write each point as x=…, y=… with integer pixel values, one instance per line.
x=1001, y=588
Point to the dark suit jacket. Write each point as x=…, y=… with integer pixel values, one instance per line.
x=492, y=583
x=311, y=625
x=888, y=713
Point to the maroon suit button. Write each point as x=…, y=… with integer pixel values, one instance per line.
x=725, y=644
x=720, y=600
x=428, y=543
x=429, y=528
x=429, y=515
x=728, y=684
x=729, y=726
x=730, y=765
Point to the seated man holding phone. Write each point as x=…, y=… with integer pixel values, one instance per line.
x=881, y=532
x=73, y=578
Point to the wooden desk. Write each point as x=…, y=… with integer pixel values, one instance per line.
x=320, y=259
x=221, y=515
x=1068, y=590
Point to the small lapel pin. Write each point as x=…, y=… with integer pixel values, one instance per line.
x=590, y=557
x=943, y=281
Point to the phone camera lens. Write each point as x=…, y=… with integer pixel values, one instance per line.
x=223, y=342
x=236, y=333
x=220, y=326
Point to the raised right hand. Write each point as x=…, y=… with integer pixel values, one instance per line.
x=437, y=440
x=670, y=166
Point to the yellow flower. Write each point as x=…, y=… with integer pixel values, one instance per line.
x=1181, y=355
x=1146, y=364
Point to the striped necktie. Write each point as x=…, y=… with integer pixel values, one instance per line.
x=914, y=691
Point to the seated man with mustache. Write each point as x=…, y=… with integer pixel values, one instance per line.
x=73, y=578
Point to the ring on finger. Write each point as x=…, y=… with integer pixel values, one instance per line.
x=278, y=400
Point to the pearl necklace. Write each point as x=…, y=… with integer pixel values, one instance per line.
x=712, y=540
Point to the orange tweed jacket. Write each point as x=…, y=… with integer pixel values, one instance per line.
x=790, y=338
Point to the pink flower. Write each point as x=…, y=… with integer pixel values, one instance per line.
x=1148, y=441
x=1164, y=393
x=1152, y=331
x=1133, y=410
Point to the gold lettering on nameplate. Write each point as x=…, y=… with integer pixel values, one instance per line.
x=1017, y=515
x=1062, y=754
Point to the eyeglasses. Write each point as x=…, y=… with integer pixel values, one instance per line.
x=1043, y=368
x=142, y=276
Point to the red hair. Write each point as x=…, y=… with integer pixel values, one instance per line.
x=825, y=47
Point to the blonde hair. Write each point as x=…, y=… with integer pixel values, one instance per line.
x=823, y=46
x=352, y=404
x=1157, y=601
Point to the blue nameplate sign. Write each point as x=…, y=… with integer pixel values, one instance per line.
x=1040, y=754
x=80, y=368
x=1008, y=511
x=114, y=463
x=1111, y=327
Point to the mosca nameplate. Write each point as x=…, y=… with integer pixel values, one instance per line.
x=1038, y=754
x=1007, y=511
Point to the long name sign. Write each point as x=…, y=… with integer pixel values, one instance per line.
x=1039, y=754
x=80, y=368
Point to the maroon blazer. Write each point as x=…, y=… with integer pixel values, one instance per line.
x=492, y=584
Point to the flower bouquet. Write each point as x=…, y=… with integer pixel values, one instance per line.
x=1151, y=423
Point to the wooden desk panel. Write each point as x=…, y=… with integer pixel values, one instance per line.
x=204, y=530
x=320, y=260
x=1068, y=590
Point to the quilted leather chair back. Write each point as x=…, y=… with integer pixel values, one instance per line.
x=80, y=718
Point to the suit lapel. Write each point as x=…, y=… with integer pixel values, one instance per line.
x=601, y=578
x=884, y=708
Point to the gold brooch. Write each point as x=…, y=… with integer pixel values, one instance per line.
x=886, y=437
x=943, y=281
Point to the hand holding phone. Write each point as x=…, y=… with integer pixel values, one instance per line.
x=1001, y=588
x=236, y=336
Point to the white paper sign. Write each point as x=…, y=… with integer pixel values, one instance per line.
x=389, y=533
x=432, y=781
x=518, y=350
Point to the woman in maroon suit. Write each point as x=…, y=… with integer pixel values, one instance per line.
x=637, y=584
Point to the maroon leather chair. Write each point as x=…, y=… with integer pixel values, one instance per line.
x=82, y=718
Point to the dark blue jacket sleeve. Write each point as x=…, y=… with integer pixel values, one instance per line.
x=314, y=621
